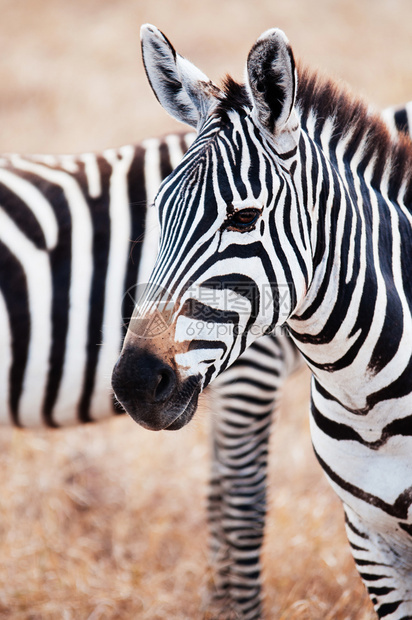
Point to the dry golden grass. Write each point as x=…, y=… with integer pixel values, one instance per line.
x=109, y=521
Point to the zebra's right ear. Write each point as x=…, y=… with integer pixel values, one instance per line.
x=182, y=89
x=272, y=81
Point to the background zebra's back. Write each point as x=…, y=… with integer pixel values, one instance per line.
x=75, y=238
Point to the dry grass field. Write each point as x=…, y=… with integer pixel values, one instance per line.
x=108, y=521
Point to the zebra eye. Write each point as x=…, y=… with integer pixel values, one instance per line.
x=243, y=219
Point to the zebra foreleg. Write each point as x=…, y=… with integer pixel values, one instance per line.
x=245, y=396
x=237, y=508
x=384, y=561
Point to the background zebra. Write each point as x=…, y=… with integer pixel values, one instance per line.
x=72, y=246
x=282, y=195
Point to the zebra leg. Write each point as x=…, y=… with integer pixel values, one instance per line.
x=384, y=561
x=237, y=511
x=245, y=395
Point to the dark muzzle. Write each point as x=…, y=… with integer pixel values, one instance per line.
x=150, y=391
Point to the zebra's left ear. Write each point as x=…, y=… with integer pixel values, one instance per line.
x=272, y=81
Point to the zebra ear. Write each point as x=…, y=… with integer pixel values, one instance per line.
x=272, y=81
x=181, y=88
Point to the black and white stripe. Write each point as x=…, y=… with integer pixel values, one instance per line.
x=399, y=119
x=75, y=235
x=296, y=194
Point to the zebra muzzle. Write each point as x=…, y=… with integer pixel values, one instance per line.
x=151, y=392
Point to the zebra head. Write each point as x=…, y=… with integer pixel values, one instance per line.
x=234, y=257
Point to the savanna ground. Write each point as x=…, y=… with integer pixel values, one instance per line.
x=108, y=521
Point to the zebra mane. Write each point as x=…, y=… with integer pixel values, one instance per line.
x=324, y=99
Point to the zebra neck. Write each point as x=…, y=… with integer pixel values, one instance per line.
x=355, y=320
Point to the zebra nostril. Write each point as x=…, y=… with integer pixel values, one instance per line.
x=165, y=385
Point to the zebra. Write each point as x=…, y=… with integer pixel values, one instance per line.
x=292, y=208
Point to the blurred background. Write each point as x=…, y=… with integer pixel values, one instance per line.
x=108, y=521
